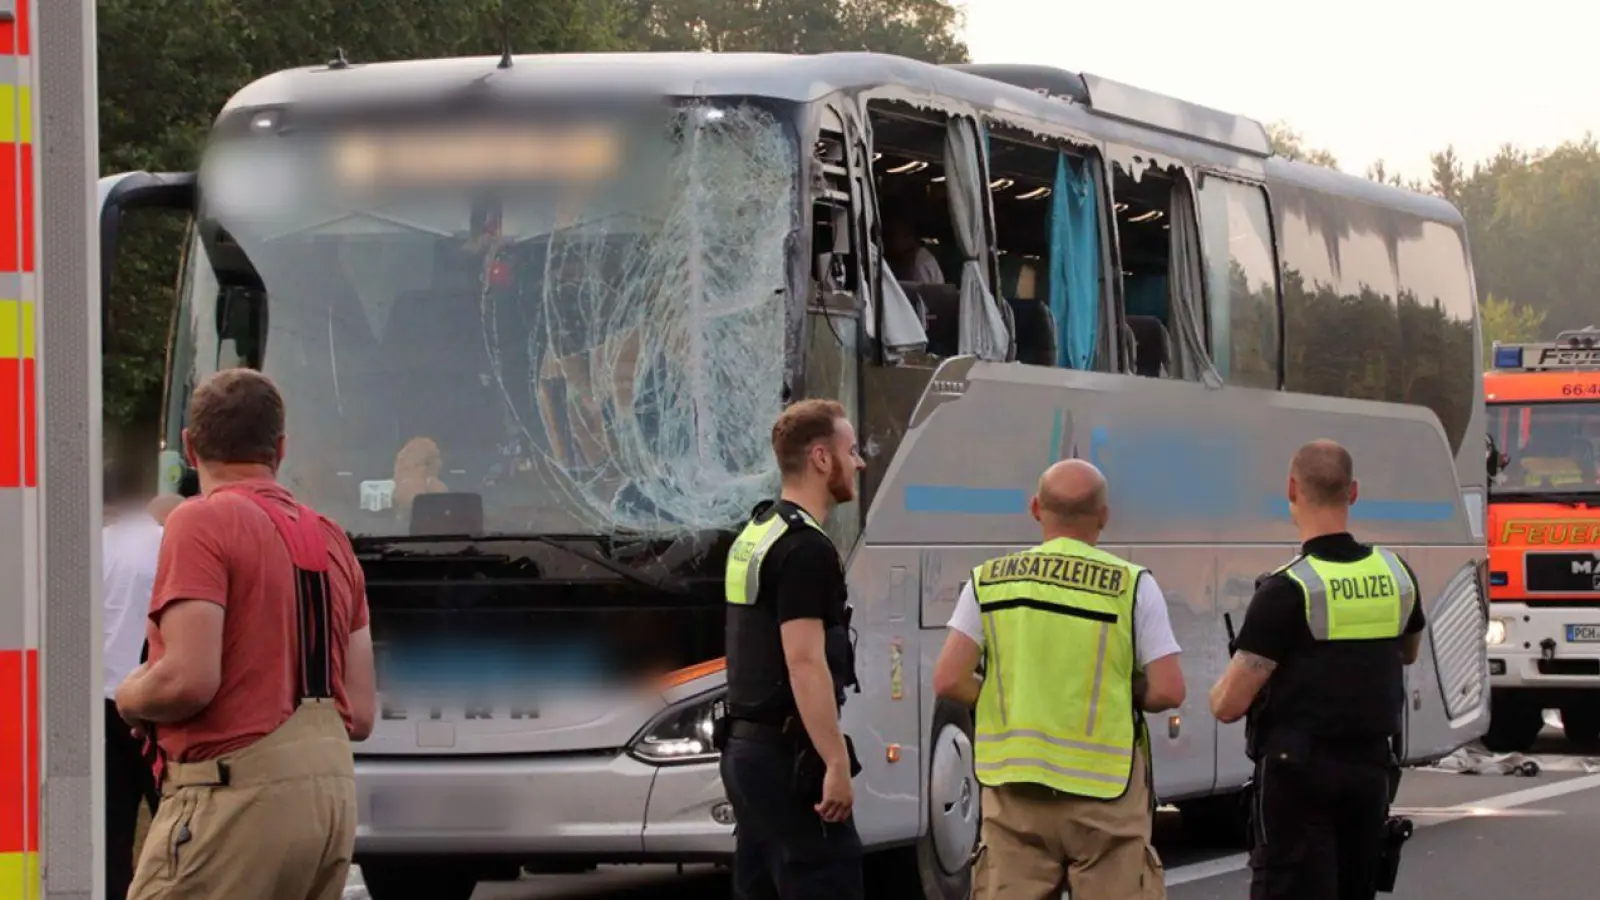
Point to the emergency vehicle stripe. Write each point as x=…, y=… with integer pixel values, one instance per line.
x=19, y=463
x=19, y=663
x=19, y=418
x=14, y=37
x=19, y=755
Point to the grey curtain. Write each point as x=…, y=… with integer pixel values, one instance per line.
x=983, y=329
x=1186, y=290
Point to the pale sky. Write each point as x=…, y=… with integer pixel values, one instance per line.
x=1364, y=79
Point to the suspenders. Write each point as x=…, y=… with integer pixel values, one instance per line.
x=308, y=552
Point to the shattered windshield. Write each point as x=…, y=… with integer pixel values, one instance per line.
x=597, y=352
x=1549, y=447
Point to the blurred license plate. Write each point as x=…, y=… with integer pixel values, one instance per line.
x=1583, y=634
x=413, y=809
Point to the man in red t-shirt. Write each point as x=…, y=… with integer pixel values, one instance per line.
x=260, y=671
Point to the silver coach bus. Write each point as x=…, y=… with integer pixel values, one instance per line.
x=533, y=320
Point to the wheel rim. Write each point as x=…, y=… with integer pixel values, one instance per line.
x=953, y=799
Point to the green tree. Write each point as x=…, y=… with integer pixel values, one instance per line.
x=1501, y=320
x=1534, y=219
x=921, y=29
x=1290, y=144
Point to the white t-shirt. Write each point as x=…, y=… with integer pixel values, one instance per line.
x=1152, y=629
x=129, y=548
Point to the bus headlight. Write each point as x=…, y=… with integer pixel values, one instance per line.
x=1496, y=633
x=679, y=736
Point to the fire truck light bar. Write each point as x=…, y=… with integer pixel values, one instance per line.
x=1578, y=349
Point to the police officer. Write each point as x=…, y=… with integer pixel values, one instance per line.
x=1319, y=666
x=786, y=765
x=1077, y=642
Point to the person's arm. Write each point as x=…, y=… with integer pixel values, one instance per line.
x=1161, y=686
x=804, y=580
x=955, y=676
x=188, y=607
x=1411, y=640
x=1274, y=618
x=361, y=684
x=360, y=672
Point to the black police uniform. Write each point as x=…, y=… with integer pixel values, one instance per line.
x=771, y=773
x=1321, y=734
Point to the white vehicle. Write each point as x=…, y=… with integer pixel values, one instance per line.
x=591, y=282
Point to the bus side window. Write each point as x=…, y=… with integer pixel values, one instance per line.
x=1165, y=327
x=1241, y=281
x=1047, y=239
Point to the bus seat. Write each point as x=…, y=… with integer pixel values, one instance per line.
x=1151, y=346
x=942, y=303
x=1036, y=332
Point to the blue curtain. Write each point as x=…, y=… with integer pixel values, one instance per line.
x=1074, y=265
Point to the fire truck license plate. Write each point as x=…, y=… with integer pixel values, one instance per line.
x=1583, y=634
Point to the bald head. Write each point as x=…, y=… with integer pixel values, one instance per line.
x=1324, y=475
x=1072, y=490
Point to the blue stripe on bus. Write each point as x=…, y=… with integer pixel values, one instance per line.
x=971, y=501
x=1381, y=510
x=975, y=501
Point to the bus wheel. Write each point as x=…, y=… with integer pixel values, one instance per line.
x=940, y=860
x=417, y=879
x=1581, y=722
x=1514, y=724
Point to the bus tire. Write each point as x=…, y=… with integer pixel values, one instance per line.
x=418, y=879
x=1217, y=821
x=938, y=865
x=1514, y=724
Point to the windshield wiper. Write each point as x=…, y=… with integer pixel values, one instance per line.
x=371, y=544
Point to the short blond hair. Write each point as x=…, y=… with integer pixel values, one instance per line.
x=801, y=425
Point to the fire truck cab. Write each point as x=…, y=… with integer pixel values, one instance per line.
x=1543, y=402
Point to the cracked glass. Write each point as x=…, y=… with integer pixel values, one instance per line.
x=589, y=348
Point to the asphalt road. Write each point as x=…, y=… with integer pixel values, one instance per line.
x=1477, y=836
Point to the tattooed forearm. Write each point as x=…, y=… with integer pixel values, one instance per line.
x=1252, y=661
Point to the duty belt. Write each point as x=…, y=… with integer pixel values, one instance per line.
x=745, y=729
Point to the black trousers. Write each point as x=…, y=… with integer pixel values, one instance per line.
x=129, y=782
x=1318, y=823
x=782, y=848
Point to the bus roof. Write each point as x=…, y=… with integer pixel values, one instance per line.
x=797, y=78
x=1096, y=106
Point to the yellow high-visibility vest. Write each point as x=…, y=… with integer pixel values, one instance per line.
x=742, y=578
x=1356, y=601
x=1056, y=707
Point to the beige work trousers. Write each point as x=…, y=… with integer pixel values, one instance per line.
x=1033, y=839
x=280, y=825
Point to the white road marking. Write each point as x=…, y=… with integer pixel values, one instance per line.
x=1239, y=861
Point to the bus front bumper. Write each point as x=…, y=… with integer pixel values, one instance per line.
x=601, y=807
